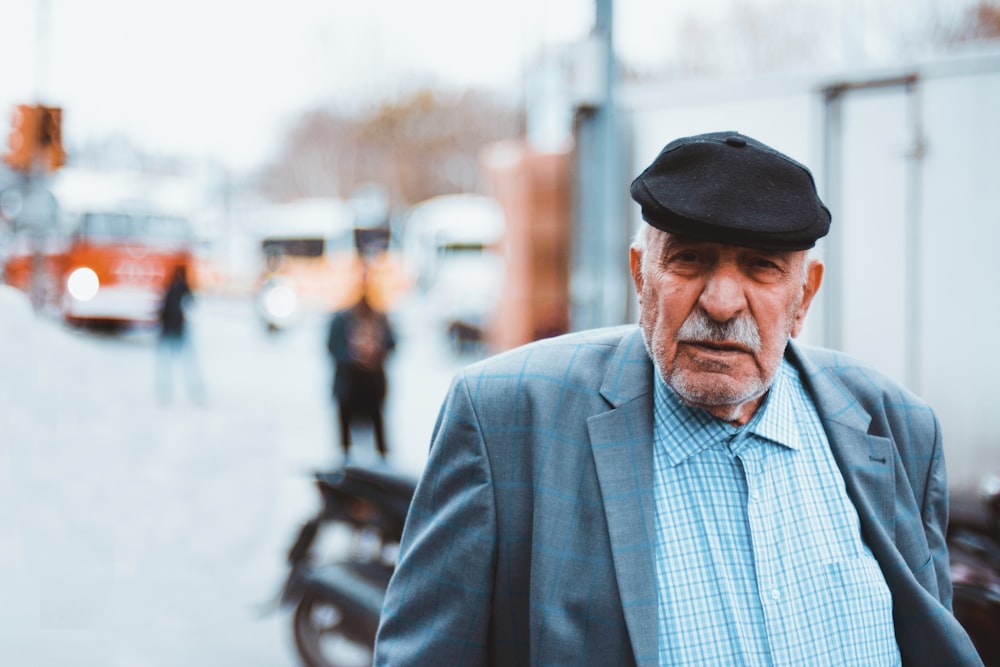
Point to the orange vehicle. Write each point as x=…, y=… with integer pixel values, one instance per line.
x=112, y=268
x=312, y=257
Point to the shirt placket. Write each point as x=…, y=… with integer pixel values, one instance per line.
x=760, y=511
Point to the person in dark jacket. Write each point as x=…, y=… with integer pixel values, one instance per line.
x=359, y=340
x=174, y=343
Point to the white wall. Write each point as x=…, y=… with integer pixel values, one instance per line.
x=914, y=287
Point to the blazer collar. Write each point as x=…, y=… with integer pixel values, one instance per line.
x=836, y=403
x=866, y=461
x=630, y=373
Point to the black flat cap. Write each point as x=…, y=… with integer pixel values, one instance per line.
x=730, y=188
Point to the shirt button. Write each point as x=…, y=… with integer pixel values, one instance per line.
x=755, y=494
x=775, y=594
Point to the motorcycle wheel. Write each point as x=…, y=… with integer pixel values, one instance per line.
x=326, y=637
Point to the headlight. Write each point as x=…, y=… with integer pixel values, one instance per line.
x=83, y=284
x=280, y=301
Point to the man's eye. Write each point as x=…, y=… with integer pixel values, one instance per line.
x=686, y=257
x=764, y=268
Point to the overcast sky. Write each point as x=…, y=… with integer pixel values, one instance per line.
x=223, y=78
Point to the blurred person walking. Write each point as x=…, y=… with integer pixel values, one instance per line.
x=174, y=346
x=359, y=341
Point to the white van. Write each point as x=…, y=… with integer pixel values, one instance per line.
x=451, y=247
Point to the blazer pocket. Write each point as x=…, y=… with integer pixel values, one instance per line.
x=912, y=546
x=926, y=564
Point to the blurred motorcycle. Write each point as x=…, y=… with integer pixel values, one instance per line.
x=338, y=602
x=974, y=549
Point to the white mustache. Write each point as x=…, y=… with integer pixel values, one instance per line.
x=700, y=328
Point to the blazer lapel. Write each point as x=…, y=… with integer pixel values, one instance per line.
x=622, y=441
x=866, y=461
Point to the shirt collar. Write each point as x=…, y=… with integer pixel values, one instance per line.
x=685, y=431
x=778, y=422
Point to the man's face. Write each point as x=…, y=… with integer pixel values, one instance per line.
x=717, y=317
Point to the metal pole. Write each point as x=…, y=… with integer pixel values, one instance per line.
x=41, y=49
x=914, y=242
x=614, y=245
x=833, y=334
x=38, y=212
x=599, y=286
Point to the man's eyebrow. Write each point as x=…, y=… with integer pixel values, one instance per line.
x=674, y=241
x=785, y=255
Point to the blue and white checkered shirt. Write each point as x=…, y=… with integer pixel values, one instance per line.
x=759, y=556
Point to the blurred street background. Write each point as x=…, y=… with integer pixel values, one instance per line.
x=138, y=532
x=478, y=177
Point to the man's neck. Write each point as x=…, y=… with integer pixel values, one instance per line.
x=736, y=415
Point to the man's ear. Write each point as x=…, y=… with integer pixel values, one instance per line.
x=635, y=265
x=814, y=277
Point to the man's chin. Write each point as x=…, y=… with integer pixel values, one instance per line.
x=714, y=390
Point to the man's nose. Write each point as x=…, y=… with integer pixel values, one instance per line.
x=723, y=296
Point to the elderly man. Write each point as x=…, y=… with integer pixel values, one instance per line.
x=699, y=490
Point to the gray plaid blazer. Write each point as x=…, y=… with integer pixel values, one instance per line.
x=530, y=538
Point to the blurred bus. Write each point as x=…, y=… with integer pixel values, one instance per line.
x=312, y=256
x=111, y=265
